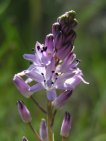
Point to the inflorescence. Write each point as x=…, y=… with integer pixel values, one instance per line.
x=54, y=67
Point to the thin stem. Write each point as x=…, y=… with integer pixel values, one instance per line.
x=38, y=105
x=53, y=118
x=34, y=131
x=49, y=118
x=63, y=138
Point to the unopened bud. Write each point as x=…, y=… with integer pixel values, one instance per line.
x=62, y=99
x=74, y=23
x=56, y=28
x=22, y=86
x=43, y=130
x=62, y=53
x=71, y=14
x=66, y=125
x=49, y=43
x=24, y=112
x=63, y=19
x=70, y=37
x=67, y=17
x=58, y=41
x=24, y=138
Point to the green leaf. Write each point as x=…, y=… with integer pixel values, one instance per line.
x=3, y=5
x=101, y=137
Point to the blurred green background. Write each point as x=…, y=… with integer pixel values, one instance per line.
x=22, y=23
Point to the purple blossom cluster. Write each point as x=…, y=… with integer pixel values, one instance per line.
x=54, y=66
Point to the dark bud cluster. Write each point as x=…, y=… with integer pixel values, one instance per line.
x=64, y=34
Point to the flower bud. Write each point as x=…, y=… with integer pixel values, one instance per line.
x=66, y=28
x=24, y=112
x=67, y=17
x=49, y=43
x=21, y=86
x=70, y=37
x=43, y=130
x=62, y=99
x=63, y=19
x=67, y=22
x=58, y=42
x=74, y=23
x=56, y=28
x=64, y=44
x=64, y=35
x=64, y=51
x=24, y=138
x=66, y=125
x=71, y=14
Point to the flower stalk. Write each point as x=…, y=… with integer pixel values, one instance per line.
x=49, y=120
x=64, y=139
x=38, y=105
x=35, y=132
x=53, y=117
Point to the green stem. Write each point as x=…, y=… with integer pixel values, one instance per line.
x=35, y=132
x=49, y=120
x=53, y=118
x=63, y=138
x=38, y=105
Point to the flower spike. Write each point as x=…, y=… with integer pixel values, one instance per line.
x=53, y=68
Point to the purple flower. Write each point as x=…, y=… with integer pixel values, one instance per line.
x=24, y=112
x=42, y=53
x=66, y=125
x=43, y=130
x=54, y=64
